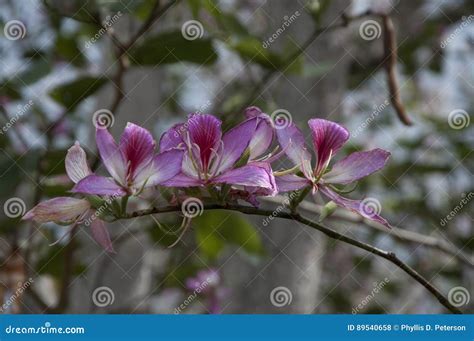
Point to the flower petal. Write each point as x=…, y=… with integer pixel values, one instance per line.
x=99, y=185
x=356, y=166
x=236, y=140
x=182, y=180
x=251, y=175
x=111, y=156
x=191, y=166
x=163, y=167
x=353, y=205
x=205, y=132
x=76, y=163
x=291, y=140
x=101, y=235
x=172, y=138
x=291, y=182
x=265, y=191
x=328, y=138
x=262, y=137
x=253, y=111
x=61, y=209
x=137, y=146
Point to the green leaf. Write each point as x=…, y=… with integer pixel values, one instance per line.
x=327, y=210
x=217, y=228
x=127, y=6
x=14, y=170
x=72, y=93
x=232, y=24
x=52, y=262
x=37, y=70
x=80, y=10
x=172, y=47
x=195, y=6
x=252, y=49
x=67, y=48
x=296, y=197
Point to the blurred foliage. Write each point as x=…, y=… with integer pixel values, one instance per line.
x=216, y=229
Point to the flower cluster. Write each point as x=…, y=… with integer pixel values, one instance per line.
x=225, y=167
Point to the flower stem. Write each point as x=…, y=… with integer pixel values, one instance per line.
x=123, y=208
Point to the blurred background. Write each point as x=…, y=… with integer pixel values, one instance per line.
x=152, y=62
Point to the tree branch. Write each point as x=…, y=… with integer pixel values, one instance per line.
x=390, y=256
x=121, y=55
x=390, y=61
x=318, y=31
x=397, y=232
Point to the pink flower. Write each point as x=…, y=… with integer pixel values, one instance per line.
x=212, y=157
x=131, y=164
x=207, y=282
x=65, y=210
x=328, y=137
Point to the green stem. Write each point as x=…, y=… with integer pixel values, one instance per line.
x=123, y=208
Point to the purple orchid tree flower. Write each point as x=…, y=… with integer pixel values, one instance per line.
x=263, y=136
x=328, y=137
x=207, y=282
x=212, y=158
x=73, y=211
x=258, y=154
x=131, y=164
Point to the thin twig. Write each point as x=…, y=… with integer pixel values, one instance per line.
x=122, y=59
x=390, y=61
x=318, y=31
x=390, y=256
x=397, y=232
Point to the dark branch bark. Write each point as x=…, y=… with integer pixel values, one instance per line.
x=397, y=232
x=390, y=60
x=390, y=256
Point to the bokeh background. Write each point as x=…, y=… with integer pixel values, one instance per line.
x=152, y=62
